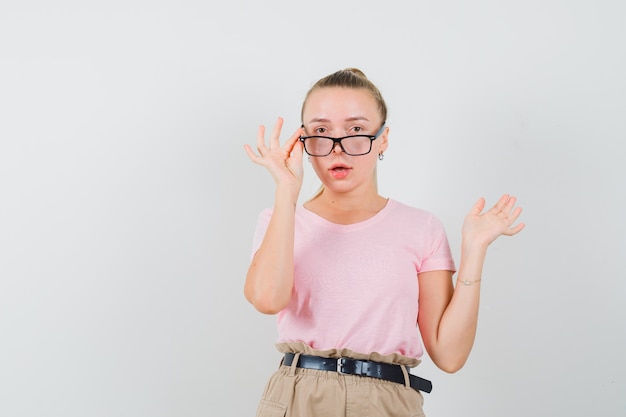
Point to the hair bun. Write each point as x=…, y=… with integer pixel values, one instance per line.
x=356, y=71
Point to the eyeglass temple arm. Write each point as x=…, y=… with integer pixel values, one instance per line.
x=381, y=130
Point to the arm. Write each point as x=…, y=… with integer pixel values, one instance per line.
x=269, y=280
x=448, y=316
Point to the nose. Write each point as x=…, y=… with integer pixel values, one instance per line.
x=337, y=148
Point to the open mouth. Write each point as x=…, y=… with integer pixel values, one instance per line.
x=339, y=167
x=339, y=171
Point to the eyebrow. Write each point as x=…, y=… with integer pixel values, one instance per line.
x=349, y=119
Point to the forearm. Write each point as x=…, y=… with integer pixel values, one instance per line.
x=457, y=329
x=449, y=316
x=269, y=280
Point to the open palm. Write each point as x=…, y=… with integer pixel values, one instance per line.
x=484, y=228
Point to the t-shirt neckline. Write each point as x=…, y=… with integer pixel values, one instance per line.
x=327, y=223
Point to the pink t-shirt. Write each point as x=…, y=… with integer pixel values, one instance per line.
x=356, y=285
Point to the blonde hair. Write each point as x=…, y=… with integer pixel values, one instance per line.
x=348, y=78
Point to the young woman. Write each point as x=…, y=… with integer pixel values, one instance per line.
x=351, y=274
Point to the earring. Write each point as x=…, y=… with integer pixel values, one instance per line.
x=381, y=156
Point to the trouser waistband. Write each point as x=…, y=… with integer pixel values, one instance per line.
x=349, y=366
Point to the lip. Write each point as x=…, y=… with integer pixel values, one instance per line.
x=339, y=171
x=335, y=166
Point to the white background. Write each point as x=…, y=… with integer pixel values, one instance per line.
x=127, y=203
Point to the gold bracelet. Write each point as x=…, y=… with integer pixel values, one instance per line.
x=468, y=282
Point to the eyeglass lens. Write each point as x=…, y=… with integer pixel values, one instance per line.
x=355, y=145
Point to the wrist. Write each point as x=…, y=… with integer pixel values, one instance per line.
x=286, y=200
x=474, y=248
x=290, y=192
x=467, y=282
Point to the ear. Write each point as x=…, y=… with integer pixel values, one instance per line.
x=384, y=140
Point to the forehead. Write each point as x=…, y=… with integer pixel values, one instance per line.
x=338, y=103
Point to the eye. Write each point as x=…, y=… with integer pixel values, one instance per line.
x=320, y=130
x=357, y=129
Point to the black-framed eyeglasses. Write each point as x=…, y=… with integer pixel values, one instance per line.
x=353, y=145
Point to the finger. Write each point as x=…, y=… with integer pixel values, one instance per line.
x=515, y=214
x=275, y=136
x=260, y=140
x=253, y=157
x=508, y=208
x=478, y=206
x=293, y=139
x=501, y=204
x=297, y=151
x=515, y=230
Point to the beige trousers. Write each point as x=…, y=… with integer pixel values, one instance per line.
x=297, y=392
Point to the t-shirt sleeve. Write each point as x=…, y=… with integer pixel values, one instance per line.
x=439, y=256
x=263, y=221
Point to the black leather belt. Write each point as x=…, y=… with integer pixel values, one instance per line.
x=386, y=371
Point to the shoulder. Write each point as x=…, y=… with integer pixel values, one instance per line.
x=265, y=213
x=401, y=209
x=412, y=218
x=302, y=214
x=263, y=219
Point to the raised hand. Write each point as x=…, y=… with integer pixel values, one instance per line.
x=283, y=162
x=484, y=228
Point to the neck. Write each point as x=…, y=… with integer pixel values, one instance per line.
x=351, y=201
x=346, y=208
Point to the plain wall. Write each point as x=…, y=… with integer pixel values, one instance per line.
x=127, y=203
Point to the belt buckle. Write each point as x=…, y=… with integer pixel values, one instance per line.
x=354, y=366
x=340, y=366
